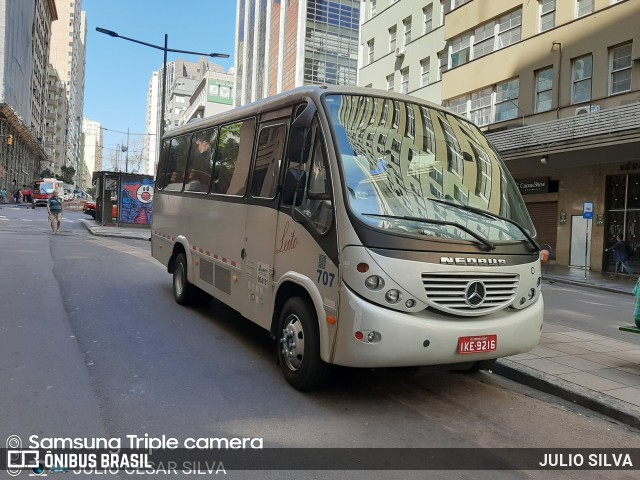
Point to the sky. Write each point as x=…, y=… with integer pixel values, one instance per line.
x=118, y=71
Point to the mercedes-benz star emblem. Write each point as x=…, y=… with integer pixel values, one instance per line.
x=475, y=294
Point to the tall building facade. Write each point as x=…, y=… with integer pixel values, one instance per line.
x=67, y=57
x=211, y=95
x=92, y=145
x=153, y=117
x=555, y=84
x=24, y=52
x=281, y=45
x=56, y=128
x=401, y=46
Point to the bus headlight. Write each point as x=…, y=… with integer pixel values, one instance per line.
x=393, y=296
x=374, y=282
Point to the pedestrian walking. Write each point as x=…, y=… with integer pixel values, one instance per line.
x=17, y=196
x=3, y=193
x=54, y=207
x=26, y=195
x=621, y=253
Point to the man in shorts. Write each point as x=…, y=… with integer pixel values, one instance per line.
x=54, y=207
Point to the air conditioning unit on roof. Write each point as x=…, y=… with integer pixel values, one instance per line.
x=400, y=52
x=582, y=110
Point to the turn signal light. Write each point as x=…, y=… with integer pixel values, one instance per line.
x=362, y=268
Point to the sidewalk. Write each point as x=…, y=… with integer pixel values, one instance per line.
x=136, y=233
x=591, y=370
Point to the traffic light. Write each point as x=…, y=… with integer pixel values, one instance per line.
x=10, y=140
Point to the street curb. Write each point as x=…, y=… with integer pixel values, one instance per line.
x=590, y=399
x=93, y=232
x=584, y=284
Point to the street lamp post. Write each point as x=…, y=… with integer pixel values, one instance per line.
x=165, y=49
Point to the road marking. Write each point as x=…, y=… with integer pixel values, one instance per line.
x=26, y=220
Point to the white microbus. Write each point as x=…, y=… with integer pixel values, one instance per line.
x=359, y=227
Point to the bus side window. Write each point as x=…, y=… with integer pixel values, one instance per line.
x=317, y=206
x=176, y=163
x=233, y=158
x=203, y=145
x=162, y=167
x=266, y=172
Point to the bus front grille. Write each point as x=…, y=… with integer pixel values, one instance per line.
x=470, y=294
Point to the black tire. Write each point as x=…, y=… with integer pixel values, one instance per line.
x=185, y=292
x=299, y=346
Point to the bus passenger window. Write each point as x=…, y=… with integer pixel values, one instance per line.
x=176, y=163
x=233, y=158
x=200, y=164
x=266, y=172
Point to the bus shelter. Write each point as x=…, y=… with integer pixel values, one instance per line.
x=123, y=199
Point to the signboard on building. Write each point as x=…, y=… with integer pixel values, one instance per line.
x=220, y=91
x=533, y=185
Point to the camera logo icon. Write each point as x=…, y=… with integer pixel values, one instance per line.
x=19, y=459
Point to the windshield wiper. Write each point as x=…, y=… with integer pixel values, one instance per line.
x=493, y=216
x=480, y=238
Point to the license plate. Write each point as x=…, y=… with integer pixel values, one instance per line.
x=481, y=344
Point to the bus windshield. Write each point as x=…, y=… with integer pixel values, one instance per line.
x=46, y=187
x=420, y=171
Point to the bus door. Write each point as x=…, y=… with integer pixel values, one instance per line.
x=258, y=253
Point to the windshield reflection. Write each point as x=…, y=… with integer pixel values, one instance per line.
x=398, y=156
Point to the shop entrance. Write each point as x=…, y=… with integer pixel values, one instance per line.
x=622, y=206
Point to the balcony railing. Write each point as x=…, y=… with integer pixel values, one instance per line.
x=611, y=122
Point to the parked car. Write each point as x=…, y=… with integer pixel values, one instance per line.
x=89, y=208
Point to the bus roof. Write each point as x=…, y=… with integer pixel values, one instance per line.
x=291, y=97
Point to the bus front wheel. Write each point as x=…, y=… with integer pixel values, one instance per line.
x=185, y=292
x=299, y=346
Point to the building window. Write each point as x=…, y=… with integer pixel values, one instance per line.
x=509, y=27
x=407, y=30
x=620, y=67
x=370, y=45
x=424, y=72
x=392, y=39
x=460, y=50
x=547, y=15
x=582, y=68
x=584, y=7
x=544, y=89
x=390, y=82
x=492, y=104
x=427, y=14
x=486, y=38
x=405, y=80
x=507, y=94
x=480, y=107
x=442, y=64
x=372, y=10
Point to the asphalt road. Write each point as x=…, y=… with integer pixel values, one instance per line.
x=92, y=344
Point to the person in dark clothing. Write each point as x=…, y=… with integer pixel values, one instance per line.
x=621, y=255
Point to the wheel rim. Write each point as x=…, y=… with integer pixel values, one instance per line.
x=178, y=279
x=292, y=342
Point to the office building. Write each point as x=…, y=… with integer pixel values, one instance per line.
x=24, y=52
x=281, y=45
x=67, y=57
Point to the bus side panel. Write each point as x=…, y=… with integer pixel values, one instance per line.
x=165, y=207
x=215, y=231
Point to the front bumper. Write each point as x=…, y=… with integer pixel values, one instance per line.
x=426, y=337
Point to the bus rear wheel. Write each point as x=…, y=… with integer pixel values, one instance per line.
x=299, y=346
x=186, y=293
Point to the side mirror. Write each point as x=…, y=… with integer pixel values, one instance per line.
x=293, y=187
